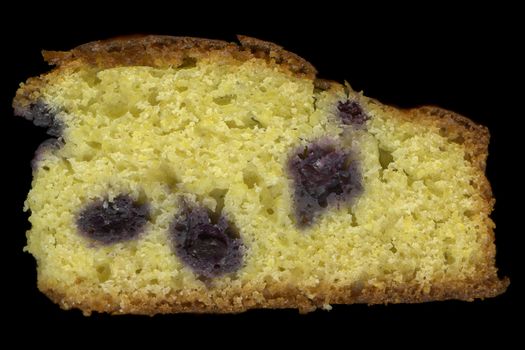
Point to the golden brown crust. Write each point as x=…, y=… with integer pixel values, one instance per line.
x=161, y=51
x=274, y=297
x=165, y=51
x=158, y=51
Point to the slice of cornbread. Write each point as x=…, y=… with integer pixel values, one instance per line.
x=191, y=175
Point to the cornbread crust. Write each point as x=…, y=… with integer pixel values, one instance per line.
x=161, y=51
x=158, y=51
x=274, y=297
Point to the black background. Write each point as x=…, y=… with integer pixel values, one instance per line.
x=462, y=60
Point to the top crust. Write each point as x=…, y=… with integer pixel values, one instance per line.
x=159, y=51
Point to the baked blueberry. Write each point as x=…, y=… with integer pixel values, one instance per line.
x=118, y=220
x=209, y=244
x=351, y=113
x=43, y=115
x=323, y=175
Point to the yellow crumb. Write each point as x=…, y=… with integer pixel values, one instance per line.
x=223, y=132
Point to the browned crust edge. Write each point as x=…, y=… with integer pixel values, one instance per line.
x=158, y=51
x=165, y=50
x=276, y=297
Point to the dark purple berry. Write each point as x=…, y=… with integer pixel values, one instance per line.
x=351, y=113
x=323, y=175
x=113, y=221
x=208, y=244
x=41, y=114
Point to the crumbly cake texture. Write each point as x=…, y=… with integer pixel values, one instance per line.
x=192, y=175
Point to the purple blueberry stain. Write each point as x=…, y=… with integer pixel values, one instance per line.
x=43, y=115
x=351, y=113
x=206, y=242
x=323, y=175
x=112, y=221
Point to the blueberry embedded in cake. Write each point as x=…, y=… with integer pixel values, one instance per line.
x=42, y=115
x=192, y=175
x=111, y=221
x=323, y=175
x=351, y=113
x=207, y=242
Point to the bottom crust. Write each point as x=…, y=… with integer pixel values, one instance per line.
x=235, y=301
